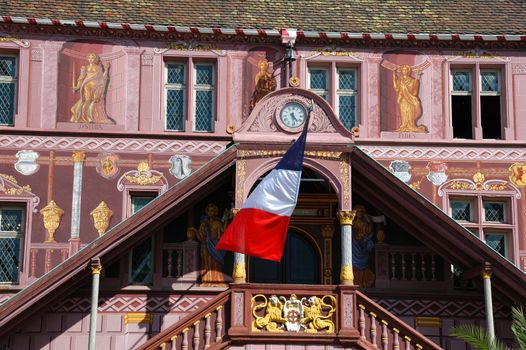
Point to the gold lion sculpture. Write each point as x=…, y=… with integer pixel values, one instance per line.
x=314, y=318
x=273, y=319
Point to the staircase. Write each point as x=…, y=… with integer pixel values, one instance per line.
x=248, y=314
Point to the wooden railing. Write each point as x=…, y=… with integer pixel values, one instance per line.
x=180, y=263
x=202, y=330
x=385, y=331
x=407, y=267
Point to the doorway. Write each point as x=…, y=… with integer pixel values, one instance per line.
x=300, y=264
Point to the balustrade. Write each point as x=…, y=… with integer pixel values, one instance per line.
x=180, y=263
x=406, y=267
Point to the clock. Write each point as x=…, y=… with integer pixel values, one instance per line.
x=293, y=115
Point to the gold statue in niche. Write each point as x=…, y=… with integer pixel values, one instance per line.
x=265, y=83
x=409, y=105
x=208, y=234
x=91, y=83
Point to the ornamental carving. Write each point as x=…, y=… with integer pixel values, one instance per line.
x=107, y=167
x=479, y=183
x=101, y=216
x=22, y=43
x=9, y=186
x=279, y=314
x=190, y=46
x=326, y=155
x=143, y=176
x=51, y=215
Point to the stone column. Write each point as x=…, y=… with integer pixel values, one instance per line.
x=95, y=272
x=346, y=218
x=486, y=276
x=78, y=161
x=239, y=274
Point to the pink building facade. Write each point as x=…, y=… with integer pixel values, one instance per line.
x=96, y=123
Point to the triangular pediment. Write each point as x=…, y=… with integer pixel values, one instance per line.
x=267, y=119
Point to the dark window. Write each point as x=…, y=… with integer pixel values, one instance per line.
x=462, y=114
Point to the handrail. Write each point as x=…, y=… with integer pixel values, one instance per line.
x=173, y=332
x=391, y=329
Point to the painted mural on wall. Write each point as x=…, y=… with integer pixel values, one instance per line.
x=91, y=81
x=401, y=92
x=262, y=75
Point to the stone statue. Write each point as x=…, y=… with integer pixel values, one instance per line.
x=91, y=83
x=208, y=234
x=265, y=83
x=409, y=105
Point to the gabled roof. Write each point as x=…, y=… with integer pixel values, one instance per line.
x=73, y=272
x=434, y=228
x=484, y=17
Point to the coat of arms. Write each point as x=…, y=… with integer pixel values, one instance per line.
x=400, y=169
x=437, y=173
x=180, y=166
x=107, y=166
x=27, y=162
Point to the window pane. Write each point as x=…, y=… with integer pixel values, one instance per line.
x=203, y=110
x=347, y=80
x=7, y=99
x=461, y=115
x=7, y=66
x=175, y=74
x=494, y=212
x=489, y=81
x=347, y=111
x=140, y=202
x=461, y=210
x=490, y=115
x=204, y=74
x=142, y=263
x=9, y=259
x=496, y=242
x=461, y=81
x=175, y=109
x=318, y=79
x=11, y=220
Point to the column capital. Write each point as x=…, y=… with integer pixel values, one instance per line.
x=486, y=271
x=96, y=266
x=234, y=211
x=78, y=156
x=346, y=217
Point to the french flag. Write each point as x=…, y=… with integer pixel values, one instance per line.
x=260, y=227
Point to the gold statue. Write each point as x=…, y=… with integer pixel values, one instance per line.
x=208, y=234
x=92, y=82
x=273, y=320
x=314, y=318
x=408, y=102
x=265, y=83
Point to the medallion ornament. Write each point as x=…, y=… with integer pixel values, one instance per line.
x=107, y=167
x=518, y=174
x=51, y=215
x=101, y=216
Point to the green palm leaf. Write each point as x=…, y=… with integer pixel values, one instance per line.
x=519, y=326
x=477, y=337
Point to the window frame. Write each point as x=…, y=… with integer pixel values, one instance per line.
x=189, y=89
x=14, y=80
x=509, y=227
x=21, y=235
x=475, y=69
x=333, y=92
x=177, y=87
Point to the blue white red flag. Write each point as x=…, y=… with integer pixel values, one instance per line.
x=260, y=227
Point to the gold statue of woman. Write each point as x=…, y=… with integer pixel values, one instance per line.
x=92, y=81
x=408, y=102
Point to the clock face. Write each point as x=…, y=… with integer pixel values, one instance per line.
x=293, y=115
